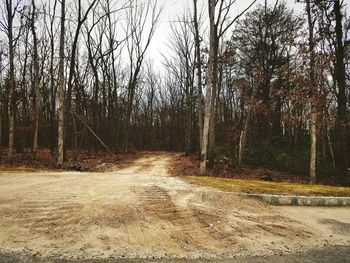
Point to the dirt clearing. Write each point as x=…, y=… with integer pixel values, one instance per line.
x=142, y=212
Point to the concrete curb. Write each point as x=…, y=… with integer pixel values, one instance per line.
x=302, y=200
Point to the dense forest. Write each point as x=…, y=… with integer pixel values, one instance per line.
x=267, y=86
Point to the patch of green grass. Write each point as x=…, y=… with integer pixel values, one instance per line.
x=261, y=187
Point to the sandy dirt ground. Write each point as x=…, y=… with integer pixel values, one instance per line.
x=143, y=212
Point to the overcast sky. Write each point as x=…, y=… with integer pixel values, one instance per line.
x=174, y=8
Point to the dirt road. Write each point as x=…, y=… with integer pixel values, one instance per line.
x=142, y=212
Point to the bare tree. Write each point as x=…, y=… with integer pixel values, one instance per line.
x=82, y=17
x=11, y=9
x=36, y=78
x=313, y=121
x=50, y=29
x=340, y=76
x=93, y=90
x=219, y=23
x=199, y=63
x=181, y=63
x=10, y=16
x=141, y=31
x=61, y=89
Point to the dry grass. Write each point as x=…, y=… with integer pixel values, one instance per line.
x=23, y=162
x=28, y=170
x=249, y=186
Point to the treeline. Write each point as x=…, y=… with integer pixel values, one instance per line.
x=267, y=87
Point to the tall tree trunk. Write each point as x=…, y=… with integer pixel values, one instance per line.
x=277, y=118
x=25, y=120
x=243, y=138
x=37, y=98
x=215, y=96
x=211, y=145
x=313, y=120
x=199, y=73
x=208, y=111
x=313, y=150
x=342, y=122
x=188, y=134
x=11, y=79
x=244, y=133
x=131, y=95
x=330, y=148
x=52, y=83
x=61, y=90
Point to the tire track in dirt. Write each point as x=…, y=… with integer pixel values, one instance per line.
x=51, y=217
x=190, y=228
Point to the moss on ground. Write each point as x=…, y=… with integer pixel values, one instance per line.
x=262, y=187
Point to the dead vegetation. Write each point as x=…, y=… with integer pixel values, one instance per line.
x=84, y=162
x=183, y=165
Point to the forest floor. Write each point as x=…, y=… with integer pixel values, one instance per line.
x=181, y=165
x=139, y=210
x=189, y=165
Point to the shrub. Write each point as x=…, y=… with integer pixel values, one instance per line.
x=279, y=155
